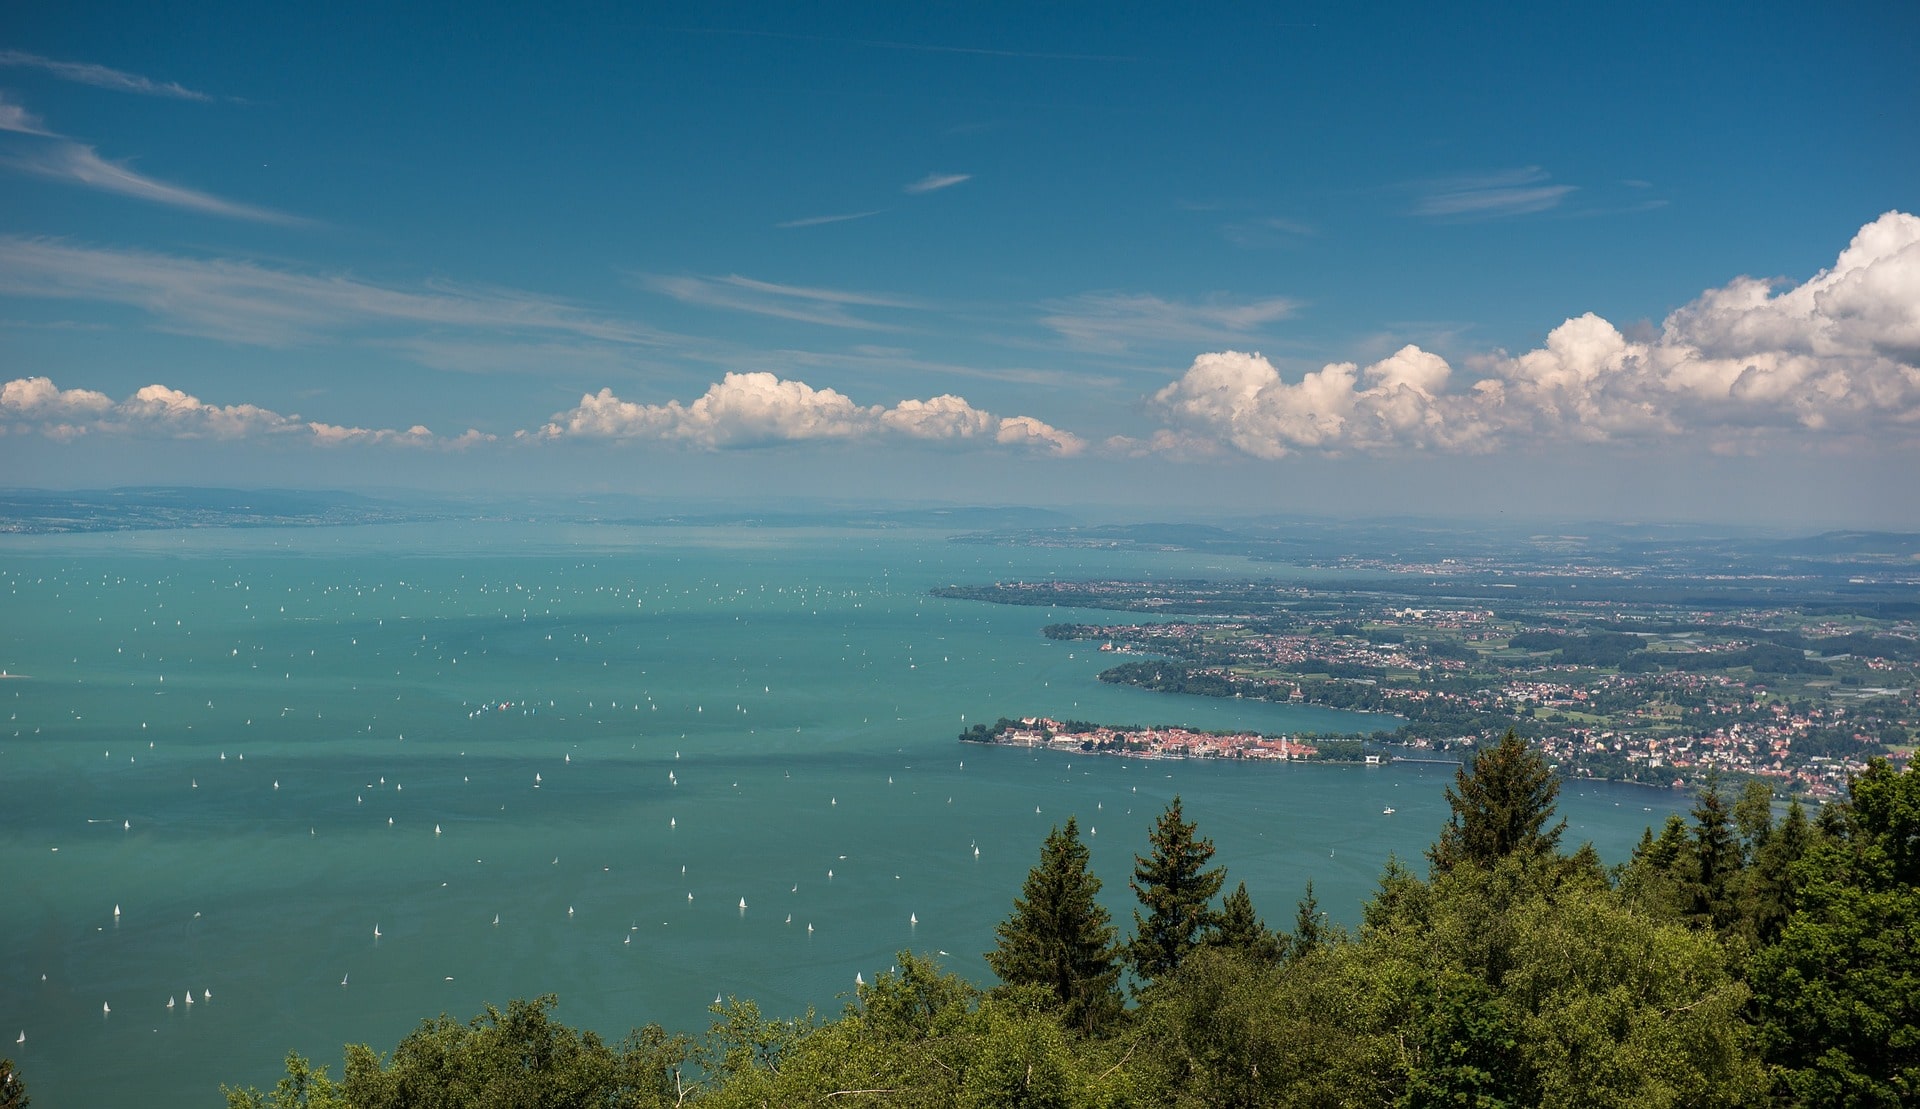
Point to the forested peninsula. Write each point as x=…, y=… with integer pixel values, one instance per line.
x=1740, y=957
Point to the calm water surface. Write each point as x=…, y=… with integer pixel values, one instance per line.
x=559, y=760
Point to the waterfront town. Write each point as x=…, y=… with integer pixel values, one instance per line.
x=1652, y=694
x=1163, y=742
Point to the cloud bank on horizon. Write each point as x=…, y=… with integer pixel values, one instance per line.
x=1740, y=364
x=742, y=410
x=35, y=404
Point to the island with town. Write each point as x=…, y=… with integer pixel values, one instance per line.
x=1165, y=741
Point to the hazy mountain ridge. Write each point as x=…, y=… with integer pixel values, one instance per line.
x=137, y=508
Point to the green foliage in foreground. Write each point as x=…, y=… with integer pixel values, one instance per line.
x=1736, y=960
x=13, y=1092
x=517, y=1059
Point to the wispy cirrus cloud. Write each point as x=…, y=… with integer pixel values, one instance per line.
x=892, y=360
x=1117, y=321
x=817, y=221
x=99, y=76
x=56, y=157
x=533, y=355
x=246, y=302
x=916, y=47
x=16, y=118
x=933, y=182
x=79, y=164
x=1513, y=192
x=1265, y=231
x=829, y=307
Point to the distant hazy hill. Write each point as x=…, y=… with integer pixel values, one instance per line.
x=1886, y=544
x=43, y=511
x=39, y=511
x=802, y=516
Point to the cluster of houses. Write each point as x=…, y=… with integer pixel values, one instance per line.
x=1147, y=743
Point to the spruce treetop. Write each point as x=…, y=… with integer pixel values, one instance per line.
x=1502, y=800
x=1239, y=928
x=1060, y=936
x=1177, y=889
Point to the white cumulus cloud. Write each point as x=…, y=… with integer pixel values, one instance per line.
x=761, y=409
x=1838, y=353
x=36, y=405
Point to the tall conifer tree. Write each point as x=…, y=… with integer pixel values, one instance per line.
x=1309, y=931
x=1239, y=928
x=1060, y=936
x=1501, y=800
x=1716, y=856
x=1177, y=890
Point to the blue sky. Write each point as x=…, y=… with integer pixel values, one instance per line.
x=1654, y=261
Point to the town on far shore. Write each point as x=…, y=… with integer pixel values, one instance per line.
x=1794, y=664
x=1157, y=742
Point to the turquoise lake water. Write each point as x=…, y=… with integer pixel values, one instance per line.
x=259, y=746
